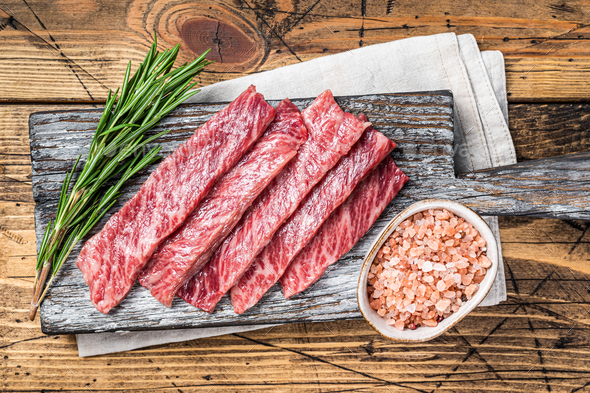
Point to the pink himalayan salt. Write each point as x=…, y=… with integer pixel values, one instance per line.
x=442, y=305
x=430, y=322
x=470, y=290
x=432, y=263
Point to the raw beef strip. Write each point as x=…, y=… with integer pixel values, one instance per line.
x=344, y=228
x=181, y=255
x=298, y=230
x=332, y=132
x=111, y=260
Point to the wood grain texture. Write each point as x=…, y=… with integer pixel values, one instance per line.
x=549, y=130
x=77, y=50
x=537, y=341
x=531, y=347
x=420, y=123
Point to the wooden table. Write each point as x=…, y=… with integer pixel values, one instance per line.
x=66, y=53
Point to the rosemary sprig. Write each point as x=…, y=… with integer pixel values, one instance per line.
x=151, y=93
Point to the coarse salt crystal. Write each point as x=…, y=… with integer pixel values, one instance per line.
x=430, y=262
x=466, y=279
x=439, y=267
x=433, y=244
x=442, y=305
x=485, y=261
x=461, y=264
x=430, y=322
x=470, y=290
x=421, y=290
x=435, y=296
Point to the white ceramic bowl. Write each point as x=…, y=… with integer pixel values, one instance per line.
x=427, y=333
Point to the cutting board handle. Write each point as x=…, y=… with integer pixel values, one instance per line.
x=556, y=187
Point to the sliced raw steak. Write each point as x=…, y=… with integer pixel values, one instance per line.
x=332, y=132
x=344, y=228
x=185, y=252
x=111, y=260
x=300, y=227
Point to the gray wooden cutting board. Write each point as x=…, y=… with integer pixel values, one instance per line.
x=422, y=126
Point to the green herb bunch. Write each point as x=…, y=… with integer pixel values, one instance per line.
x=151, y=93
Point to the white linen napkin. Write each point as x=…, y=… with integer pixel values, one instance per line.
x=437, y=62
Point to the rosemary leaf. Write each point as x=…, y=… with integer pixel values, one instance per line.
x=130, y=112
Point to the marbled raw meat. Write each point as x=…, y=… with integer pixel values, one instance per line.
x=111, y=260
x=185, y=252
x=300, y=227
x=344, y=228
x=332, y=132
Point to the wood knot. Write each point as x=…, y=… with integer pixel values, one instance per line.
x=236, y=44
x=229, y=45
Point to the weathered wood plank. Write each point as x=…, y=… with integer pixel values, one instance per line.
x=532, y=249
x=548, y=130
x=420, y=123
x=538, y=131
x=526, y=342
x=551, y=187
x=77, y=52
x=554, y=187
